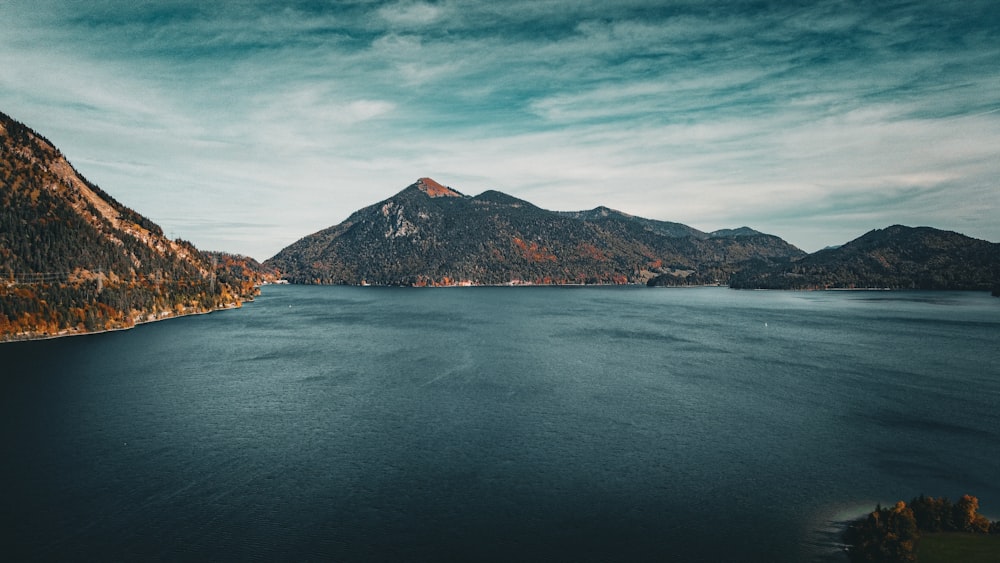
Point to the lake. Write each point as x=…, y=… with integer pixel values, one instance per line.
x=528, y=424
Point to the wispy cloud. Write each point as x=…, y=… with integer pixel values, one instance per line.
x=411, y=14
x=815, y=121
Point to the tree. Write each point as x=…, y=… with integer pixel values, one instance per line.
x=932, y=514
x=967, y=517
x=887, y=534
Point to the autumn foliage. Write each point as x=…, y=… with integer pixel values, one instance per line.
x=534, y=252
x=893, y=534
x=72, y=259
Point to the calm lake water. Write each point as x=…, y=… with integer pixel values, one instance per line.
x=540, y=424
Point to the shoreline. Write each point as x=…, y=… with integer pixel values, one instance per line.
x=27, y=337
x=634, y=285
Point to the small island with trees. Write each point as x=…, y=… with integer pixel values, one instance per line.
x=927, y=530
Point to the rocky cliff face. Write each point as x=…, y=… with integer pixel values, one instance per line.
x=72, y=259
x=428, y=234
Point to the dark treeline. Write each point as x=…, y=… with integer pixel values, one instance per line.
x=893, y=534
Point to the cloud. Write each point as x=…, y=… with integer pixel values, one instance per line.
x=292, y=115
x=410, y=14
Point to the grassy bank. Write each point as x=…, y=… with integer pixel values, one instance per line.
x=948, y=547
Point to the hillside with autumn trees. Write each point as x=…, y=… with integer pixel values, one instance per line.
x=432, y=235
x=429, y=234
x=75, y=260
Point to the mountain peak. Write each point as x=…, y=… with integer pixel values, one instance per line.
x=607, y=211
x=495, y=238
x=434, y=189
x=739, y=232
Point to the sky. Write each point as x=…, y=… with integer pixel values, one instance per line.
x=243, y=126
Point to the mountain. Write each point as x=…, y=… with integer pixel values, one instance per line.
x=896, y=257
x=740, y=232
x=606, y=215
x=429, y=234
x=73, y=259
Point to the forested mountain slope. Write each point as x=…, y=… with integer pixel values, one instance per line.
x=429, y=234
x=896, y=257
x=72, y=259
